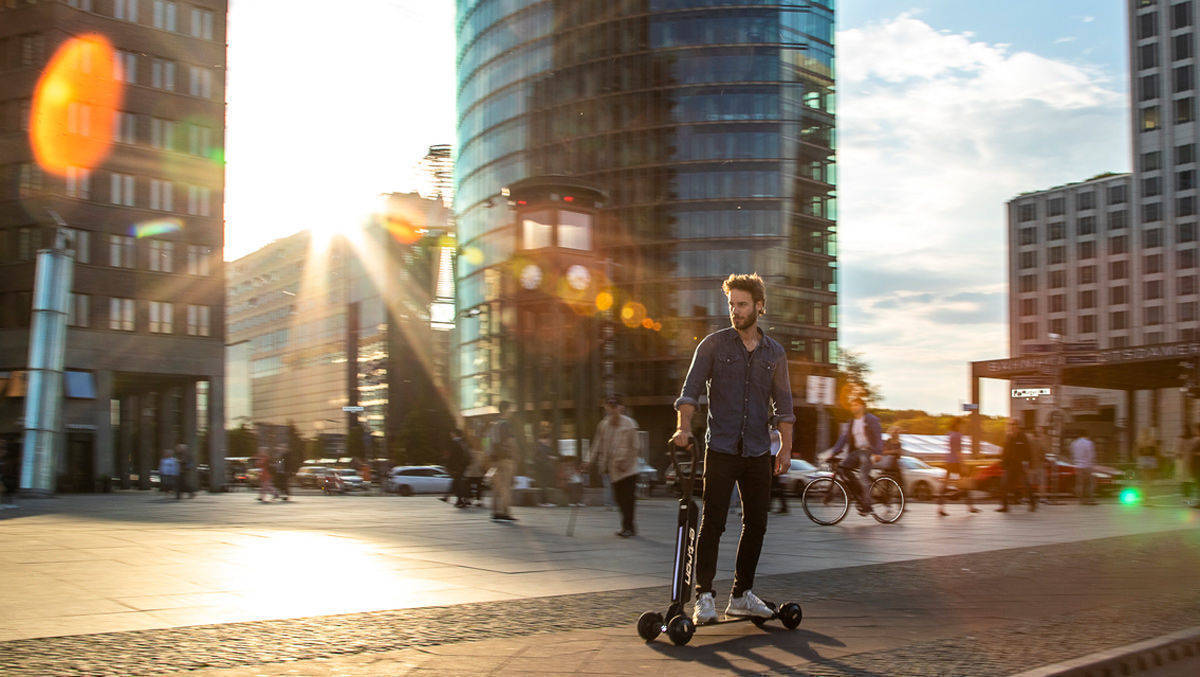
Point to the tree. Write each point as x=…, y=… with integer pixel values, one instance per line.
x=242, y=441
x=853, y=375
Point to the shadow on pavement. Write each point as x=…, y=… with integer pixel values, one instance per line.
x=719, y=655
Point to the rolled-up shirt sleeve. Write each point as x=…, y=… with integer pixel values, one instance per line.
x=781, y=392
x=698, y=375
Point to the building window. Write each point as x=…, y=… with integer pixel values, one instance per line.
x=199, y=201
x=1149, y=118
x=161, y=256
x=1147, y=25
x=1055, y=206
x=1152, y=263
x=1055, y=231
x=1118, y=295
x=1147, y=88
x=1029, y=306
x=85, y=5
x=120, y=251
x=81, y=242
x=161, y=195
x=198, y=321
x=1185, y=258
x=120, y=314
x=1027, y=212
x=200, y=82
x=1185, y=153
x=1087, y=324
x=77, y=310
x=1086, y=250
x=1184, y=75
x=1147, y=57
x=1085, y=200
x=1058, y=303
x=1028, y=259
x=1058, y=279
x=1153, y=289
x=1153, y=315
x=1151, y=186
x=197, y=261
x=1028, y=283
x=1181, y=14
x=162, y=74
x=1152, y=211
x=1087, y=274
x=125, y=67
x=1186, y=284
x=1118, y=319
x=1151, y=161
x=1185, y=110
x=1186, y=311
x=1086, y=225
x=1181, y=47
x=1058, y=326
x=126, y=10
x=121, y=189
x=1117, y=195
x=1087, y=299
x=1029, y=236
x=79, y=119
x=1186, y=232
x=161, y=318
x=1185, y=179
x=1118, y=220
x=162, y=133
x=202, y=24
x=1118, y=244
x=1028, y=331
x=1152, y=238
x=1057, y=255
x=1185, y=206
x=29, y=240
x=164, y=15
x=78, y=183
x=123, y=127
x=199, y=140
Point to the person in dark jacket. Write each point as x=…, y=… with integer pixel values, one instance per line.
x=458, y=457
x=1016, y=454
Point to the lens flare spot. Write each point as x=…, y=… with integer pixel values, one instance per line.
x=156, y=227
x=1130, y=496
x=647, y=323
x=403, y=230
x=632, y=314
x=473, y=255
x=71, y=116
x=657, y=326
x=604, y=301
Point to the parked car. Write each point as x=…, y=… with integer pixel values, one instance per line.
x=310, y=476
x=407, y=480
x=647, y=478
x=350, y=479
x=1104, y=479
x=671, y=480
x=799, y=475
x=921, y=480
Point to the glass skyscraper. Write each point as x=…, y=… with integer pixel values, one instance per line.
x=710, y=126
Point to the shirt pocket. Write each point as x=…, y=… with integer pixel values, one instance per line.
x=727, y=365
x=764, y=375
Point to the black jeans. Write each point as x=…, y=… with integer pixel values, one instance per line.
x=1016, y=479
x=752, y=474
x=624, y=493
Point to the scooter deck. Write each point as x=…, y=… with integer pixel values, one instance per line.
x=724, y=620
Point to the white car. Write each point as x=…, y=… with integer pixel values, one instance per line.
x=407, y=480
x=921, y=480
x=799, y=474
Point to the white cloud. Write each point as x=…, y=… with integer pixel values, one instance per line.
x=1064, y=40
x=937, y=131
x=1088, y=19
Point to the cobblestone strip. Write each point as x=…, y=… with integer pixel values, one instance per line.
x=1014, y=647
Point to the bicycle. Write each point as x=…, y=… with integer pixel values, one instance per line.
x=826, y=500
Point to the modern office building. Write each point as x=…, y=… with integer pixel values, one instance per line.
x=133, y=163
x=315, y=326
x=708, y=131
x=1114, y=260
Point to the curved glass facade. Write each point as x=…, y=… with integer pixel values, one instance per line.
x=710, y=125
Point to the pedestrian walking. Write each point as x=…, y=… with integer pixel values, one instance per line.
x=955, y=466
x=744, y=373
x=168, y=473
x=1147, y=453
x=265, y=483
x=187, y=470
x=502, y=456
x=458, y=457
x=1015, y=457
x=281, y=476
x=545, y=464
x=475, y=470
x=10, y=472
x=1083, y=457
x=616, y=443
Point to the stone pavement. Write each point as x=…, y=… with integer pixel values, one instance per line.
x=137, y=568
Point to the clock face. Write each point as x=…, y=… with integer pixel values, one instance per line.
x=578, y=277
x=531, y=276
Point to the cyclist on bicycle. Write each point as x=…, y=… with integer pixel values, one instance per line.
x=860, y=438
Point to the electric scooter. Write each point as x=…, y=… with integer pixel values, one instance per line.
x=676, y=622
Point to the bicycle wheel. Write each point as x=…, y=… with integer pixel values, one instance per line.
x=825, y=501
x=887, y=500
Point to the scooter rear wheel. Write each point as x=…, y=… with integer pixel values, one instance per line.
x=791, y=614
x=680, y=630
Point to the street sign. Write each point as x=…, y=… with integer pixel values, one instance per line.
x=1030, y=392
x=970, y=406
x=821, y=390
x=353, y=410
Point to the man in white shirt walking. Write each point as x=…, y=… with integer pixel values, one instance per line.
x=1083, y=457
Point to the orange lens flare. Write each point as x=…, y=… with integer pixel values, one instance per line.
x=71, y=117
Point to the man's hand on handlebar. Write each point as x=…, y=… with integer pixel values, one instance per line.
x=682, y=438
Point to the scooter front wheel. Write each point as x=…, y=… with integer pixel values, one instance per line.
x=680, y=630
x=650, y=626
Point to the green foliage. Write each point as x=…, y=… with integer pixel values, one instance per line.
x=241, y=441
x=853, y=378
x=918, y=422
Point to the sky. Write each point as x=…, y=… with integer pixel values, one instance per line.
x=946, y=110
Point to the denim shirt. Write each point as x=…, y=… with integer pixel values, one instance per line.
x=747, y=391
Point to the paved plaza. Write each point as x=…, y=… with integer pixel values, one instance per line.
x=384, y=585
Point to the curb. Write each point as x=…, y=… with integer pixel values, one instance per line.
x=1175, y=652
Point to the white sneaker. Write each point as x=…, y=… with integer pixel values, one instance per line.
x=748, y=605
x=706, y=609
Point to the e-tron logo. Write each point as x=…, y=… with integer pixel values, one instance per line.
x=691, y=558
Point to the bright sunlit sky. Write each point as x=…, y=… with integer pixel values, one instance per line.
x=946, y=109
